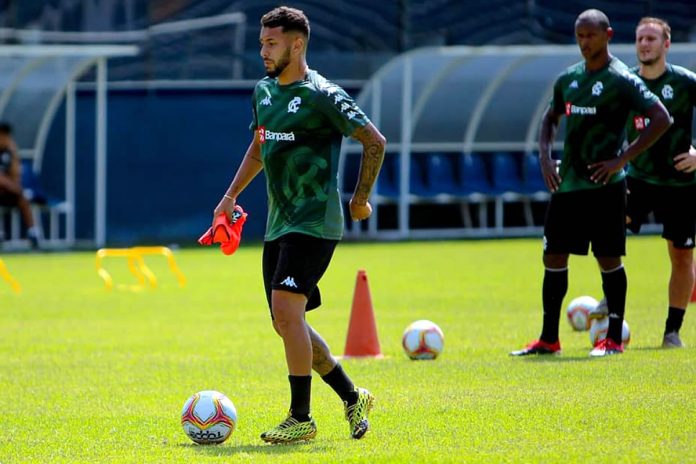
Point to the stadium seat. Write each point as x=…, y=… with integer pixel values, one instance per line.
x=474, y=187
x=507, y=183
x=534, y=186
x=441, y=171
x=418, y=188
x=387, y=188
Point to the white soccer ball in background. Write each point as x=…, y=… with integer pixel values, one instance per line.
x=208, y=417
x=599, y=328
x=423, y=340
x=578, y=312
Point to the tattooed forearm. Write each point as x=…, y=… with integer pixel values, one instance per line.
x=373, y=143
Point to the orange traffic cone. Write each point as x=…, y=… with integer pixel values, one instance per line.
x=362, y=338
x=693, y=292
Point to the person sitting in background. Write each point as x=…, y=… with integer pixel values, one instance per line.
x=11, y=192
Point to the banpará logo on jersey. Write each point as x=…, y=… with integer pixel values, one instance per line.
x=667, y=92
x=294, y=105
x=266, y=101
x=266, y=135
x=641, y=122
x=582, y=110
x=597, y=88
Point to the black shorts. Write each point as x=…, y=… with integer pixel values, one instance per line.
x=596, y=216
x=674, y=207
x=8, y=198
x=295, y=263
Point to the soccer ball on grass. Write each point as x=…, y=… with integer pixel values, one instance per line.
x=208, y=417
x=423, y=340
x=579, y=310
x=599, y=328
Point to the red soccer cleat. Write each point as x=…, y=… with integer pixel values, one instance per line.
x=606, y=347
x=539, y=347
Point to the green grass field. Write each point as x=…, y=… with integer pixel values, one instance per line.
x=92, y=376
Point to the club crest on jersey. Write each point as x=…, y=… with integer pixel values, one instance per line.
x=597, y=89
x=294, y=105
x=667, y=92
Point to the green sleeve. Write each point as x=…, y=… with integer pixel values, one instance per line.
x=640, y=97
x=340, y=109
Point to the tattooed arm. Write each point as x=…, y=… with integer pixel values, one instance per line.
x=373, y=143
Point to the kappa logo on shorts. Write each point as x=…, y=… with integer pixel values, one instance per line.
x=289, y=282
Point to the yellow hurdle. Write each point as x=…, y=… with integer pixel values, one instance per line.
x=5, y=274
x=137, y=266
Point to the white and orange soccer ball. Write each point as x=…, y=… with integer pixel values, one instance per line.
x=208, y=417
x=579, y=310
x=423, y=339
x=599, y=328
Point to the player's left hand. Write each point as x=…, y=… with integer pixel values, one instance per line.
x=359, y=211
x=603, y=170
x=686, y=162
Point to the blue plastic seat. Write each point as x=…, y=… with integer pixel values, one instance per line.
x=388, y=179
x=506, y=173
x=418, y=174
x=441, y=171
x=533, y=178
x=473, y=176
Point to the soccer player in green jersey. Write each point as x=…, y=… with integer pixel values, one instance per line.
x=662, y=179
x=588, y=199
x=299, y=119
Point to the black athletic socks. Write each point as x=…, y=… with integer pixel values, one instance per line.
x=553, y=291
x=675, y=317
x=615, y=284
x=341, y=384
x=300, y=393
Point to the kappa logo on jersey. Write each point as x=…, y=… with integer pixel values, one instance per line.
x=573, y=85
x=582, y=110
x=289, y=282
x=294, y=105
x=597, y=89
x=266, y=135
x=266, y=101
x=689, y=242
x=667, y=92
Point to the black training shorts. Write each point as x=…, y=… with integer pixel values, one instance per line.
x=674, y=207
x=574, y=220
x=295, y=263
x=8, y=198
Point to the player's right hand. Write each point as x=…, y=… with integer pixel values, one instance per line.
x=549, y=169
x=686, y=162
x=226, y=205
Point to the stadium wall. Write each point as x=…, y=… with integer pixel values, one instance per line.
x=171, y=154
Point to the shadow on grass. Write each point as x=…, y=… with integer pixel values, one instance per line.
x=231, y=450
x=555, y=359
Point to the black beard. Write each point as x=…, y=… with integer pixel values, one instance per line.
x=648, y=62
x=283, y=63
